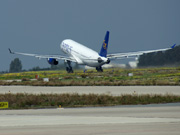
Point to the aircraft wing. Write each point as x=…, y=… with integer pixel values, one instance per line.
x=57, y=57
x=135, y=54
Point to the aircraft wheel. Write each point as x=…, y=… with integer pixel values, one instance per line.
x=99, y=69
x=69, y=70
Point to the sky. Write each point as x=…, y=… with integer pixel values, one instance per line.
x=39, y=26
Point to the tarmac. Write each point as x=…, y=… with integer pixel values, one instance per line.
x=156, y=119
x=112, y=90
x=163, y=119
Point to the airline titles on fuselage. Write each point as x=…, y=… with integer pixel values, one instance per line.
x=66, y=48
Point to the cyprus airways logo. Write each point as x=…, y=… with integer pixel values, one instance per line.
x=104, y=45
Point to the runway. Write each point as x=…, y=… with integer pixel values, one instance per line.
x=113, y=90
x=160, y=119
x=131, y=120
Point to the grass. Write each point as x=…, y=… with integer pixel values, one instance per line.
x=24, y=100
x=110, y=77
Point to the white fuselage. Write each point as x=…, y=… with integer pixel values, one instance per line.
x=82, y=54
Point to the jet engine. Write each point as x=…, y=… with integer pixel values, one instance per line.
x=100, y=60
x=108, y=61
x=52, y=61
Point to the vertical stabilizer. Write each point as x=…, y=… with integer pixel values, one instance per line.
x=104, y=48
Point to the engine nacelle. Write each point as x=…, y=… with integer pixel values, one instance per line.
x=99, y=60
x=108, y=61
x=52, y=61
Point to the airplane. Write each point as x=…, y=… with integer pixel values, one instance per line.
x=83, y=55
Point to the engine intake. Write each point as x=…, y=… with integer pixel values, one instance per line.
x=52, y=61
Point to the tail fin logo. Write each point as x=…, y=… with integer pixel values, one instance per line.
x=104, y=45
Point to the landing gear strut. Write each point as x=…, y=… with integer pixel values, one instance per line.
x=99, y=69
x=68, y=67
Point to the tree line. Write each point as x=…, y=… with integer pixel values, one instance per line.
x=16, y=66
x=168, y=58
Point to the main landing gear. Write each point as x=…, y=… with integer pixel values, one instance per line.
x=68, y=67
x=99, y=69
